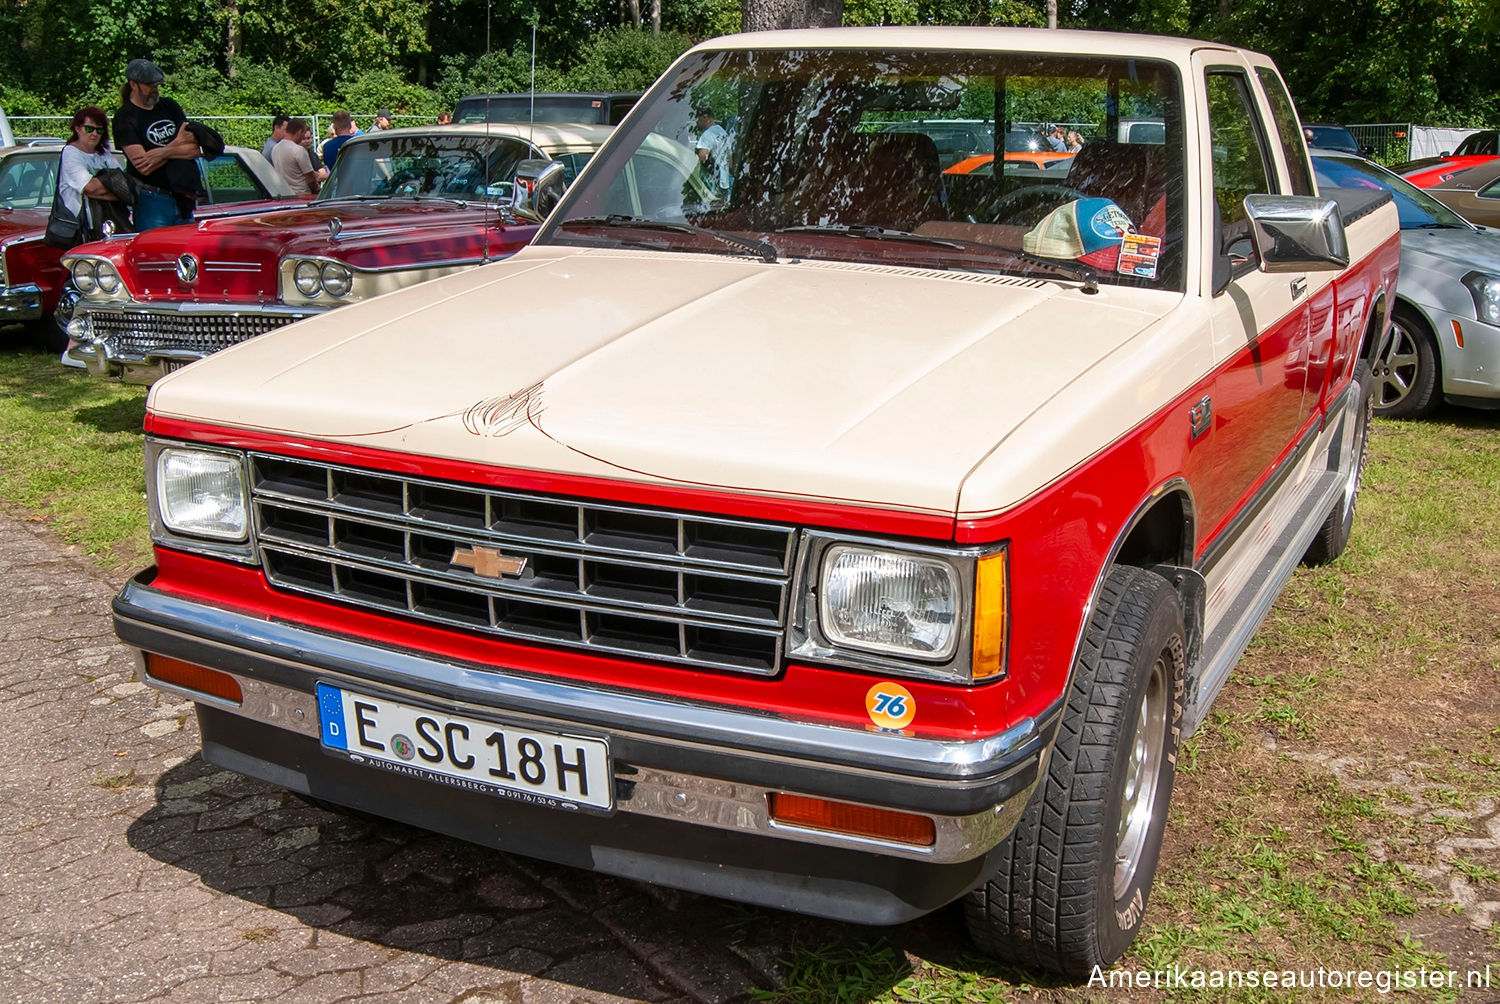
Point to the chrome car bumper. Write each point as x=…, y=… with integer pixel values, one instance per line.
x=674, y=762
x=22, y=302
x=139, y=343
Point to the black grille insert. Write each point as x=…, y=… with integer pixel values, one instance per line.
x=680, y=587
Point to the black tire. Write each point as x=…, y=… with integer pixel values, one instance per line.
x=1059, y=902
x=1406, y=368
x=1333, y=535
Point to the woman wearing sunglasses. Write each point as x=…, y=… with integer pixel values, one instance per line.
x=85, y=155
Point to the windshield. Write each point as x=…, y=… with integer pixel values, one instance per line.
x=28, y=182
x=827, y=154
x=607, y=109
x=1333, y=138
x=450, y=166
x=1415, y=207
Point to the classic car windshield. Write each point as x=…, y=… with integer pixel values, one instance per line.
x=451, y=166
x=28, y=182
x=872, y=155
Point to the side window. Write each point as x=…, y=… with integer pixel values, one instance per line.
x=572, y=163
x=1490, y=191
x=1240, y=163
x=229, y=180
x=1292, y=144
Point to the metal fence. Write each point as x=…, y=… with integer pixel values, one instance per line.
x=237, y=130
x=1390, y=141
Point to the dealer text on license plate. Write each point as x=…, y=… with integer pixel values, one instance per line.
x=521, y=763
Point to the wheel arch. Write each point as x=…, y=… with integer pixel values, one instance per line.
x=1160, y=536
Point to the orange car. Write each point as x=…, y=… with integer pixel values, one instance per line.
x=982, y=164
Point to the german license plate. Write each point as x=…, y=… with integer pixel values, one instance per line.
x=540, y=768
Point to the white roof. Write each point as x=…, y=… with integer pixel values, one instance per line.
x=1064, y=41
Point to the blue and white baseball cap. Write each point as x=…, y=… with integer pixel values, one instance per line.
x=1086, y=230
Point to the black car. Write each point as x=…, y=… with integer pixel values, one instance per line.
x=602, y=107
x=1326, y=136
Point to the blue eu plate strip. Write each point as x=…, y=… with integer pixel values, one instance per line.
x=331, y=711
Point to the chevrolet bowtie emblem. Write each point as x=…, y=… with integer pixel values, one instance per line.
x=487, y=561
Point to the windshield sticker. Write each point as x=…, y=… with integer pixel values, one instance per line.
x=1089, y=231
x=1139, y=254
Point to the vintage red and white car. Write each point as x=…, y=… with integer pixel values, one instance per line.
x=800, y=524
x=33, y=281
x=400, y=207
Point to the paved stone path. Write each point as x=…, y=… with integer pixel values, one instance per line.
x=130, y=870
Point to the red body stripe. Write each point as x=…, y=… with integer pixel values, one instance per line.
x=1059, y=537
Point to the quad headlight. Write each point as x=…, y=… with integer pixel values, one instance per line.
x=904, y=609
x=1485, y=289
x=201, y=493
x=97, y=279
x=317, y=278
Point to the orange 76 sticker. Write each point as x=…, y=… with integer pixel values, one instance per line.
x=890, y=705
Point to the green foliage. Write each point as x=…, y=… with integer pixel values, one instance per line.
x=625, y=59
x=1021, y=13
x=386, y=88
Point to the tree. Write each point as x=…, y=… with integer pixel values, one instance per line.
x=763, y=15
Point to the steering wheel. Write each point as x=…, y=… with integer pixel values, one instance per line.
x=1019, y=206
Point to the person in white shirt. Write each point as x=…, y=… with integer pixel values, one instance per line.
x=291, y=159
x=713, y=149
x=85, y=155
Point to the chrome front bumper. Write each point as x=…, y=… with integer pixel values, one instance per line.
x=677, y=761
x=163, y=338
x=20, y=303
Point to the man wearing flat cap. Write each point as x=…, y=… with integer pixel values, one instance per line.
x=159, y=152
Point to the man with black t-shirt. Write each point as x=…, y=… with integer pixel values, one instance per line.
x=160, y=154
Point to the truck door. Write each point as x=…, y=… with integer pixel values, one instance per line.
x=1260, y=320
x=1329, y=342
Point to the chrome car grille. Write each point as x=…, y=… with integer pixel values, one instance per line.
x=139, y=333
x=609, y=579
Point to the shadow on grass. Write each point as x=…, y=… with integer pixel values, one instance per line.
x=117, y=416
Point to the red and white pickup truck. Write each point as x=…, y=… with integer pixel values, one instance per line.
x=793, y=522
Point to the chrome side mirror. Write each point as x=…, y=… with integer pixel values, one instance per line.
x=538, y=187
x=1297, y=233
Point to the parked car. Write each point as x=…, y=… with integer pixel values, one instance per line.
x=1444, y=341
x=402, y=206
x=34, y=283
x=601, y=107
x=1473, y=193
x=811, y=540
x=1476, y=150
x=1327, y=136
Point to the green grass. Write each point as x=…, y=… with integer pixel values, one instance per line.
x=1272, y=859
x=70, y=455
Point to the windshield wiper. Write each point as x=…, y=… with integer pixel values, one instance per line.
x=1082, y=273
x=765, y=249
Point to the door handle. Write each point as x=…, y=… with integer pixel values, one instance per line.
x=1299, y=287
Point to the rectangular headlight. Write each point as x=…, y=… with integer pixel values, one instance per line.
x=201, y=493
x=891, y=602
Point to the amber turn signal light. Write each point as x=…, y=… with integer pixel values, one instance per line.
x=989, y=617
x=191, y=677
x=859, y=820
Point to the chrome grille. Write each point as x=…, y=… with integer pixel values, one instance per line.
x=132, y=333
x=610, y=579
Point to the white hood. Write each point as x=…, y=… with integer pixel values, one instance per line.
x=870, y=384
